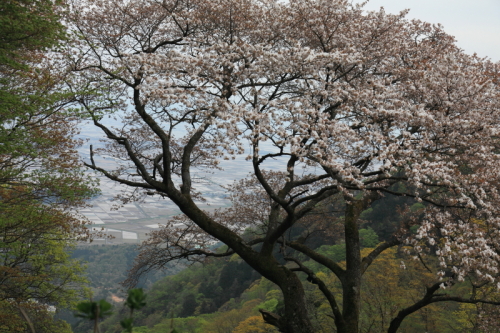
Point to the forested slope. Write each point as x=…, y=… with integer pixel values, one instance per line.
x=225, y=295
x=107, y=266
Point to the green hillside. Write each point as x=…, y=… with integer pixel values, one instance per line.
x=225, y=295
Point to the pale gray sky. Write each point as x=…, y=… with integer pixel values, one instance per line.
x=474, y=23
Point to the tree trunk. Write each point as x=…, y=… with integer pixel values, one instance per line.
x=351, y=285
x=296, y=318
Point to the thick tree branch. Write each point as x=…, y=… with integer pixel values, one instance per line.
x=311, y=277
x=368, y=260
x=158, y=130
x=426, y=300
x=320, y=259
x=118, y=179
x=186, y=160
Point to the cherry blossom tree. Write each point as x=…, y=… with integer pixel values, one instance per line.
x=353, y=105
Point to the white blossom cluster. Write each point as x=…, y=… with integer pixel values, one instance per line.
x=464, y=247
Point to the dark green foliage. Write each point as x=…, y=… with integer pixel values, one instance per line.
x=235, y=277
x=337, y=252
x=417, y=206
x=135, y=301
x=189, y=305
x=334, y=252
x=127, y=324
x=368, y=237
x=385, y=214
x=27, y=25
x=93, y=310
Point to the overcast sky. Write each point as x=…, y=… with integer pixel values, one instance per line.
x=474, y=23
